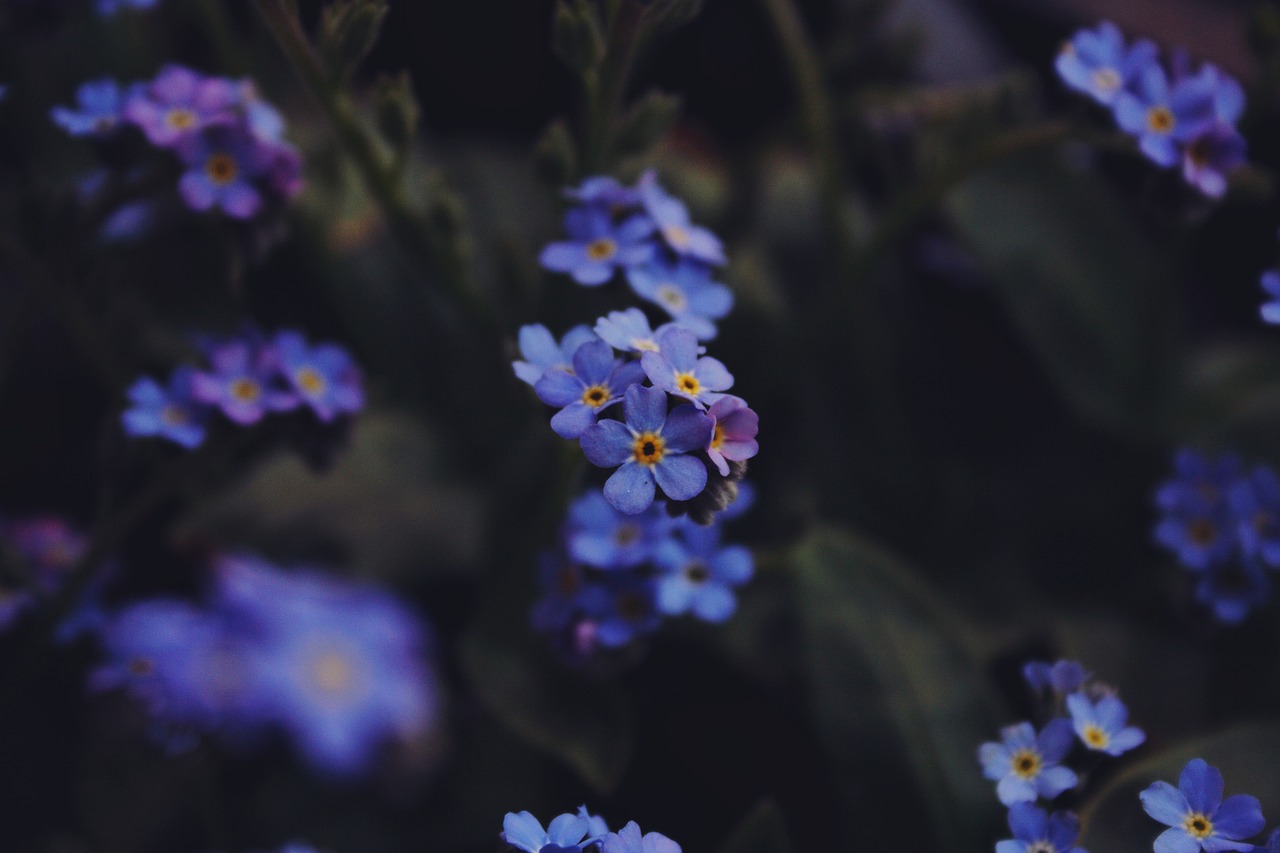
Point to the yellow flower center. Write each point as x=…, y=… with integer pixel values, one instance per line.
x=1197, y=825
x=1095, y=737
x=595, y=396
x=180, y=119
x=310, y=381
x=1160, y=120
x=717, y=437
x=221, y=168
x=697, y=572
x=648, y=448
x=602, y=249
x=245, y=390
x=644, y=345
x=333, y=672
x=672, y=298
x=1025, y=763
x=688, y=383
x=676, y=236
x=1106, y=79
x=173, y=415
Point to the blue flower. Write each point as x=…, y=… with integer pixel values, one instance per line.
x=1270, y=282
x=224, y=165
x=672, y=220
x=698, y=575
x=686, y=291
x=179, y=102
x=678, y=370
x=100, y=102
x=1101, y=725
x=629, y=331
x=563, y=583
x=1097, y=62
x=605, y=192
x=242, y=382
x=1035, y=831
x=1232, y=590
x=1162, y=116
x=1210, y=157
x=597, y=382
x=324, y=376
x=648, y=450
x=601, y=536
x=1255, y=502
x=1064, y=676
x=629, y=840
x=1197, y=524
x=171, y=413
x=567, y=833
x=621, y=607
x=597, y=246
x=542, y=353
x=1198, y=817
x=1026, y=764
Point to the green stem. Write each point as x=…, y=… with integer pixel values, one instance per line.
x=604, y=91
x=444, y=258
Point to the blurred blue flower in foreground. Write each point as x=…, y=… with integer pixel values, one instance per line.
x=1099, y=64
x=597, y=246
x=1025, y=764
x=167, y=412
x=1270, y=282
x=1198, y=817
x=629, y=840
x=1196, y=524
x=1064, y=676
x=323, y=376
x=1101, y=724
x=1036, y=831
x=567, y=833
x=100, y=104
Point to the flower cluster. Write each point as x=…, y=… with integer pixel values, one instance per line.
x=1197, y=816
x=1176, y=114
x=1027, y=764
x=247, y=377
x=615, y=576
x=575, y=833
x=227, y=139
x=341, y=668
x=1223, y=524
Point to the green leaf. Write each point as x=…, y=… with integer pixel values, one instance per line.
x=1114, y=819
x=898, y=699
x=1089, y=292
x=576, y=36
x=762, y=831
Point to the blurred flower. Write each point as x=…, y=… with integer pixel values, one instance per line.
x=1035, y=831
x=171, y=412
x=699, y=575
x=542, y=353
x=597, y=382
x=323, y=376
x=1198, y=817
x=1197, y=523
x=672, y=220
x=1098, y=63
x=597, y=246
x=223, y=167
x=649, y=449
x=563, y=583
x=629, y=840
x=1163, y=115
x=1270, y=282
x=180, y=102
x=1101, y=725
x=100, y=104
x=686, y=291
x=1254, y=500
x=629, y=331
x=1064, y=676
x=242, y=383
x=1210, y=157
x=1232, y=590
x=567, y=833
x=605, y=538
x=1026, y=764
x=110, y=7
x=678, y=370
x=622, y=607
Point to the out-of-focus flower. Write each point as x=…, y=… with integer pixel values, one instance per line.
x=1064, y=676
x=629, y=331
x=323, y=376
x=542, y=353
x=110, y=7
x=622, y=607
x=178, y=103
x=1025, y=764
x=1270, y=282
x=597, y=246
x=1197, y=524
x=224, y=166
x=1035, y=831
x=1233, y=590
x=100, y=103
x=699, y=575
x=1254, y=501
x=601, y=536
x=1101, y=725
x=686, y=291
x=167, y=412
x=672, y=220
x=1098, y=63
x=1163, y=116
x=242, y=383
x=1197, y=816
x=630, y=840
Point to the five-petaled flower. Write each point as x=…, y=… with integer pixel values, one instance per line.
x=1026, y=764
x=1197, y=816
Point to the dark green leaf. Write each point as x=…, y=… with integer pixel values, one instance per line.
x=576, y=36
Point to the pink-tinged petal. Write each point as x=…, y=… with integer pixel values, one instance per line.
x=739, y=450
x=630, y=489
x=681, y=477
x=606, y=444
x=718, y=459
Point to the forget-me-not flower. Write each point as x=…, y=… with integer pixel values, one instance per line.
x=630, y=840
x=597, y=382
x=597, y=245
x=1036, y=831
x=686, y=291
x=677, y=369
x=698, y=575
x=323, y=376
x=1197, y=816
x=672, y=220
x=1162, y=115
x=1026, y=764
x=542, y=352
x=100, y=103
x=168, y=412
x=567, y=833
x=1098, y=63
x=1101, y=725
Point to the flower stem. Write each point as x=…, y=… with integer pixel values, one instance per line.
x=605, y=88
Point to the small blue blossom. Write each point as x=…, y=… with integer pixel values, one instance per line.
x=180, y=102
x=242, y=382
x=224, y=166
x=598, y=827
x=630, y=840
x=99, y=114
x=605, y=192
x=323, y=376
x=1211, y=157
x=698, y=575
x=648, y=450
x=1163, y=116
x=542, y=353
x=1101, y=725
x=1255, y=502
x=1064, y=676
x=686, y=291
x=672, y=220
x=597, y=382
x=1025, y=764
x=621, y=607
x=567, y=833
x=1197, y=816
x=1035, y=831
x=1099, y=64
x=171, y=412
x=1233, y=590
x=604, y=538
x=1197, y=524
x=678, y=370
x=1270, y=282
x=629, y=331
x=597, y=246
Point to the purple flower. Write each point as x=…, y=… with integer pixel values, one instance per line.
x=684, y=290
x=178, y=103
x=649, y=449
x=171, y=412
x=567, y=833
x=1210, y=157
x=324, y=376
x=284, y=169
x=1101, y=725
x=223, y=165
x=1255, y=502
x=597, y=246
x=242, y=382
x=1198, y=817
x=542, y=353
x=698, y=575
x=678, y=370
x=1197, y=523
x=1270, y=282
x=604, y=538
x=1035, y=831
x=734, y=435
x=1097, y=62
x=629, y=840
x=672, y=220
x=100, y=103
x=597, y=382
x=1162, y=116
x=1026, y=764
x=263, y=120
